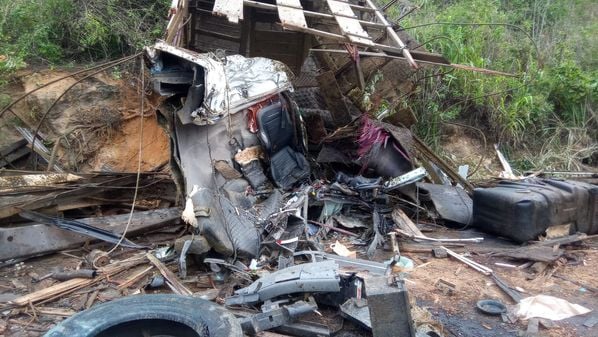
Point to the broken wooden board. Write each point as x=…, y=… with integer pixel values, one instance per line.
x=73, y=191
x=532, y=253
x=403, y=222
x=348, y=22
x=60, y=289
x=172, y=280
x=290, y=13
x=18, y=183
x=231, y=9
x=35, y=240
x=13, y=204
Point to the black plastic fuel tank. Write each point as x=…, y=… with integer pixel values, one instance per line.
x=523, y=210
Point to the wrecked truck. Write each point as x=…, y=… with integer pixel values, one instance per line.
x=226, y=115
x=238, y=143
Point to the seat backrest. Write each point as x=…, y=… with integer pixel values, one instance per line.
x=275, y=127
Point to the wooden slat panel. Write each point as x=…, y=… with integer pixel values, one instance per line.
x=232, y=9
x=291, y=16
x=349, y=27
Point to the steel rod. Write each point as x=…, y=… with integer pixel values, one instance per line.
x=393, y=34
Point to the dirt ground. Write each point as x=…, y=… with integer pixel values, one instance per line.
x=120, y=154
x=456, y=311
x=103, y=111
x=461, y=145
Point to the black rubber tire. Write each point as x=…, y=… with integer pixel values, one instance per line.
x=205, y=318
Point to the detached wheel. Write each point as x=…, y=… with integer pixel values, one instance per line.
x=151, y=316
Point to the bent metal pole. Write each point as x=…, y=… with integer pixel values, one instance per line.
x=393, y=34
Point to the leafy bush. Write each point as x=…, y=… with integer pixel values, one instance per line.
x=558, y=83
x=61, y=31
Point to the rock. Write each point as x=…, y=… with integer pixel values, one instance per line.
x=199, y=245
x=439, y=253
x=209, y=294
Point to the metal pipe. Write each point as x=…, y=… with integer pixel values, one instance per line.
x=481, y=268
x=393, y=35
x=452, y=65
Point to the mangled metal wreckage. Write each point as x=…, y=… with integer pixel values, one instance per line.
x=262, y=187
x=240, y=155
x=239, y=143
x=227, y=114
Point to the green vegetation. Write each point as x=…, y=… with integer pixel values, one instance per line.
x=550, y=108
x=54, y=32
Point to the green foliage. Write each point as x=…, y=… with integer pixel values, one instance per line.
x=4, y=100
x=552, y=50
x=60, y=31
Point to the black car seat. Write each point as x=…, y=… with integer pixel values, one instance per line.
x=278, y=134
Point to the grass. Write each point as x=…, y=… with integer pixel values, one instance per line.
x=549, y=108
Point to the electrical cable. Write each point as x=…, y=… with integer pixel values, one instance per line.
x=20, y=98
x=481, y=24
x=141, y=109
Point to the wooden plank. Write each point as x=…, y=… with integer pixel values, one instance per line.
x=21, y=182
x=402, y=220
x=55, y=311
x=11, y=204
x=17, y=154
x=5, y=151
x=290, y=13
x=172, y=280
x=231, y=9
x=262, y=5
x=66, y=287
x=57, y=289
x=393, y=34
x=174, y=30
x=134, y=278
x=35, y=240
x=349, y=27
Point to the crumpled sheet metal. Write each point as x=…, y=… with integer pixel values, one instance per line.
x=232, y=83
x=451, y=202
x=314, y=277
x=196, y=148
